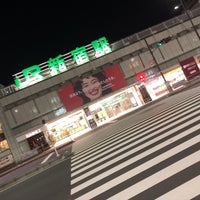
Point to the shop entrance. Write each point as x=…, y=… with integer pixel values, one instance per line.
x=145, y=95
x=90, y=118
x=38, y=142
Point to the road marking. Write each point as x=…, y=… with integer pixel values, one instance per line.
x=45, y=160
x=135, y=171
x=185, y=191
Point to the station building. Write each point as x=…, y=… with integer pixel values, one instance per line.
x=51, y=103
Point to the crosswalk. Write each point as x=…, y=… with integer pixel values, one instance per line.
x=157, y=158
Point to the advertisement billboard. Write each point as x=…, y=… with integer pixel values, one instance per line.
x=91, y=87
x=190, y=68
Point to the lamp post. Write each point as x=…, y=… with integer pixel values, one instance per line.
x=188, y=15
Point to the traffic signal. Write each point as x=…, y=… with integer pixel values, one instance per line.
x=164, y=41
x=141, y=77
x=159, y=44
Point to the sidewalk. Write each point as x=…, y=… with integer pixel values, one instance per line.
x=31, y=167
x=15, y=174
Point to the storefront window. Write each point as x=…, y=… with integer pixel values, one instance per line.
x=156, y=87
x=175, y=78
x=197, y=60
x=115, y=105
x=3, y=142
x=118, y=104
x=98, y=112
x=67, y=126
x=80, y=122
x=3, y=145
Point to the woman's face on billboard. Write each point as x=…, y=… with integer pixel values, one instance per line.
x=91, y=87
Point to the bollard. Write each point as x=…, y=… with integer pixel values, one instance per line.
x=57, y=154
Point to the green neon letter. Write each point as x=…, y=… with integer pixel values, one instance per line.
x=31, y=72
x=80, y=55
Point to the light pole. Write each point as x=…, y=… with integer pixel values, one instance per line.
x=188, y=15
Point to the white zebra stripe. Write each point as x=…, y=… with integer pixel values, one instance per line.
x=108, y=155
x=155, y=178
x=136, y=170
x=154, y=119
x=185, y=191
x=100, y=152
x=145, y=183
x=138, y=127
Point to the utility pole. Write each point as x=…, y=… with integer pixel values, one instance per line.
x=188, y=15
x=157, y=65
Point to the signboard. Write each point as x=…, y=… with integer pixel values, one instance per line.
x=92, y=87
x=190, y=68
x=141, y=77
x=59, y=64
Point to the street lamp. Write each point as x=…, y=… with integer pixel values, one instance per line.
x=188, y=15
x=176, y=7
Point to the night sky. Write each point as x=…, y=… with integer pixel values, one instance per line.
x=31, y=35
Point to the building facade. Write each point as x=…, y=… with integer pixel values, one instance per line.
x=51, y=103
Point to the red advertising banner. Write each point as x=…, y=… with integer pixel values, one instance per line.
x=190, y=68
x=92, y=87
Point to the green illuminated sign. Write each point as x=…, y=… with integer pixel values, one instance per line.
x=80, y=55
x=31, y=74
x=54, y=66
x=101, y=47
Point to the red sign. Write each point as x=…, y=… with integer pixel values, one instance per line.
x=141, y=76
x=190, y=68
x=92, y=87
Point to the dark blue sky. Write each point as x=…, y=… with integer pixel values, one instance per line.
x=31, y=35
